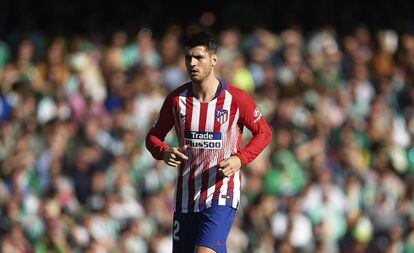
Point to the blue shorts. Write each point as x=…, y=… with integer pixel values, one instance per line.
x=208, y=228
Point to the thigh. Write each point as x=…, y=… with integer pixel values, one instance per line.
x=185, y=229
x=214, y=227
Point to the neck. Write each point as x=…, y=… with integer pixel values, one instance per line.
x=206, y=90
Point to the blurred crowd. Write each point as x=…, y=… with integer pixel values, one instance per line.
x=338, y=176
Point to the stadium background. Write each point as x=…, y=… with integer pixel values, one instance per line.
x=81, y=83
x=74, y=17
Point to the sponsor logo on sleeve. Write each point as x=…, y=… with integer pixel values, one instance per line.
x=257, y=115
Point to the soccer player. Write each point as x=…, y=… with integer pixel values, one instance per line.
x=208, y=116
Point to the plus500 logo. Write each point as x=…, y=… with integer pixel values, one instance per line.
x=207, y=140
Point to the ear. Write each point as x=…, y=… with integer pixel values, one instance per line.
x=214, y=60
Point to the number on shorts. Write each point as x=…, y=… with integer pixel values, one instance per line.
x=176, y=229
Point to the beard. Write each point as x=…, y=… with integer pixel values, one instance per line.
x=196, y=79
x=200, y=76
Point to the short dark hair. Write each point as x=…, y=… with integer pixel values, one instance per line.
x=202, y=39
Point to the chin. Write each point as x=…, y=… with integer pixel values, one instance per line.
x=196, y=79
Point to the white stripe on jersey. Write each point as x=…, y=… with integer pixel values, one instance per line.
x=184, y=189
x=227, y=149
x=195, y=121
x=211, y=116
x=195, y=117
x=236, y=189
x=182, y=105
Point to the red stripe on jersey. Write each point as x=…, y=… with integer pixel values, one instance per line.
x=206, y=169
x=176, y=111
x=191, y=181
x=188, y=111
x=203, y=117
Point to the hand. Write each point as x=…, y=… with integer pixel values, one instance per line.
x=230, y=166
x=174, y=156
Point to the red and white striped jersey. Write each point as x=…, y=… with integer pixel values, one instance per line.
x=212, y=131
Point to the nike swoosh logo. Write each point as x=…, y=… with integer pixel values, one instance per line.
x=182, y=116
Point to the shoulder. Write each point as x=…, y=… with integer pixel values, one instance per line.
x=177, y=92
x=238, y=95
x=234, y=90
x=243, y=101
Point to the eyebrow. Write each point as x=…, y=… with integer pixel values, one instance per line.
x=194, y=55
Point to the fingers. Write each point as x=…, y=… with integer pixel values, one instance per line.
x=178, y=154
x=225, y=168
x=171, y=160
x=174, y=156
x=229, y=166
x=174, y=163
x=227, y=171
x=224, y=163
x=183, y=148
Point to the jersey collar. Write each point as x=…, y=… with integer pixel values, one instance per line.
x=221, y=88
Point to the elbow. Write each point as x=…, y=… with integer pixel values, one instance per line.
x=149, y=143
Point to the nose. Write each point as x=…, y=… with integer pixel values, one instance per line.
x=193, y=61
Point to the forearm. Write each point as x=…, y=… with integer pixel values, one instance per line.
x=254, y=147
x=156, y=146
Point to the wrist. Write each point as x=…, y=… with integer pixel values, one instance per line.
x=238, y=157
x=168, y=150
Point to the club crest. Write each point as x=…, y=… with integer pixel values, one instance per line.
x=222, y=115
